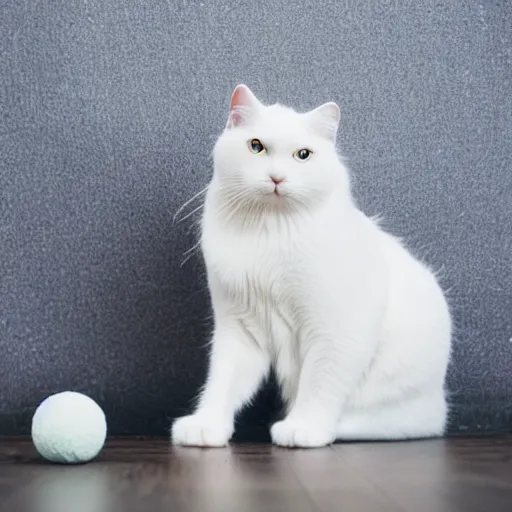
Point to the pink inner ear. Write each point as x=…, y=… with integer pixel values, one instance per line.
x=240, y=98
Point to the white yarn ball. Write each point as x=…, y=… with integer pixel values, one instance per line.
x=69, y=428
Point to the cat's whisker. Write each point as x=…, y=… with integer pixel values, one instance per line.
x=185, y=217
x=236, y=206
x=186, y=203
x=195, y=225
x=192, y=249
x=233, y=202
x=190, y=252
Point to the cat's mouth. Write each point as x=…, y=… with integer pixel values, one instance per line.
x=276, y=194
x=273, y=192
x=273, y=196
x=277, y=181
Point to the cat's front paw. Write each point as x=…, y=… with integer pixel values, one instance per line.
x=196, y=430
x=300, y=434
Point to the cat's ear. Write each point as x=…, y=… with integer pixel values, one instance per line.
x=325, y=120
x=243, y=106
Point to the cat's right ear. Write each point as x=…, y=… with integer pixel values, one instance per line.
x=243, y=106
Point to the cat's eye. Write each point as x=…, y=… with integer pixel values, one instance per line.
x=256, y=146
x=302, y=154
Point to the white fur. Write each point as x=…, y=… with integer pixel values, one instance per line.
x=356, y=328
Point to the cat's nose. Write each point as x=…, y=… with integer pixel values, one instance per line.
x=276, y=180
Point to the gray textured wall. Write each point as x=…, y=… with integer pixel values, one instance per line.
x=108, y=113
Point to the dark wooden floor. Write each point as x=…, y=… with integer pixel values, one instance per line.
x=466, y=475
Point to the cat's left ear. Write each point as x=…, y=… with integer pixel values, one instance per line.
x=326, y=119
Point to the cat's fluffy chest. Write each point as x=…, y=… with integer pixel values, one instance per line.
x=253, y=268
x=259, y=276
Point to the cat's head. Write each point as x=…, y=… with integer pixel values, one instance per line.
x=272, y=155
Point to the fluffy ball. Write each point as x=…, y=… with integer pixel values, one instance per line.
x=69, y=428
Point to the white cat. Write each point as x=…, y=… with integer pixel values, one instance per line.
x=357, y=329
